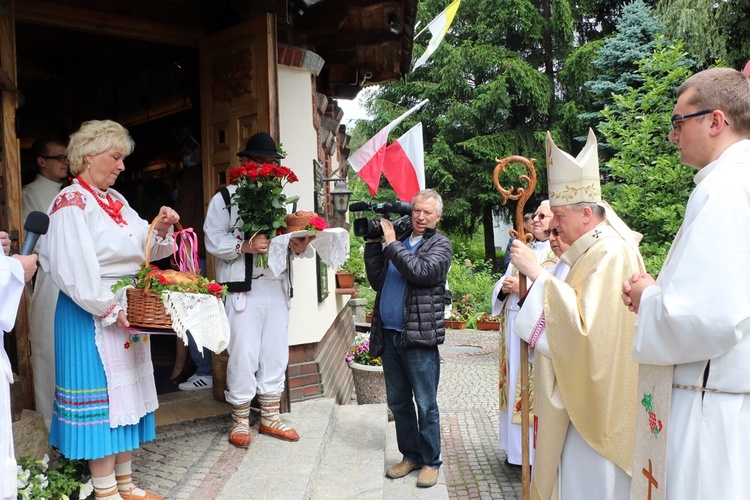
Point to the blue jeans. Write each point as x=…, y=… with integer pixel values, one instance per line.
x=413, y=373
x=202, y=363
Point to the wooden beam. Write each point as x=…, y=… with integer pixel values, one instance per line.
x=10, y=182
x=6, y=83
x=105, y=23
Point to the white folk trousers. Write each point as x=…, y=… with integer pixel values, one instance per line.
x=258, y=345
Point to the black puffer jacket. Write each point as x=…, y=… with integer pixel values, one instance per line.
x=425, y=272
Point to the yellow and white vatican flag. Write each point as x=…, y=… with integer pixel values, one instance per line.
x=438, y=27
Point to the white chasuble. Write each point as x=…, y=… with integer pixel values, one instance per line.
x=586, y=331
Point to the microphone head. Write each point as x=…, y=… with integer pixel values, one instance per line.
x=359, y=206
x=36, y=222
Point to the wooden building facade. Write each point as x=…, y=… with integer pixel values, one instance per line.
x=219, y=70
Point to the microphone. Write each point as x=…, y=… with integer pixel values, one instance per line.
x=359, y=206
x=36, y=225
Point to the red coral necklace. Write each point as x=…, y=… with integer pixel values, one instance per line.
x=111, y=207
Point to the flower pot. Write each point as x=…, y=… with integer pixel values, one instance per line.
x=344, y=280
x=368, y=318
x=369, y=383
x=455, y=325
x=488, y=325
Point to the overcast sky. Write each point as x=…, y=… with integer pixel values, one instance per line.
x=353, y=109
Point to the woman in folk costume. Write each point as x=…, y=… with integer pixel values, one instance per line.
x=14, y=272
x=105, y=394
x=505, y=306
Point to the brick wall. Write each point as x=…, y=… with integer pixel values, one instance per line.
x=319, y=369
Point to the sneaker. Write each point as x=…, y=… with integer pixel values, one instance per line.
x=197, y=382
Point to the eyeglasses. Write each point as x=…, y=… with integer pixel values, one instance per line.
x=677, y=120
x=60, y=158
x=551, y=231
x=540, y=215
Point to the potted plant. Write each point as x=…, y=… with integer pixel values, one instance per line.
x=353, y=269
x=63, y=478
x=456, y=321
x=367, y=372
x=486, y=321
x=344, y=279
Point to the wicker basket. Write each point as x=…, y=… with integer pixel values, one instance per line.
x=145, y=308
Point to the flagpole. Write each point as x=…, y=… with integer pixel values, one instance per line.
x=522, y=195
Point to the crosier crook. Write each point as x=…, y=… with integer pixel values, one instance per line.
x=522, y=195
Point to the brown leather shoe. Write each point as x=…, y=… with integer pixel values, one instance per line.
x=401, y=469
x=239, y=435
x=428, y=477
x=285, y=435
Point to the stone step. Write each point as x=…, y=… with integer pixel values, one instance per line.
x=406, y=487
x=352, y=465
x=277, y=469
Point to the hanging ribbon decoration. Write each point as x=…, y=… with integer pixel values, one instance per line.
x=521, y=194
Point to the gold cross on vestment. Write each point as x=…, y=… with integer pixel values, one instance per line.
x=651, y=479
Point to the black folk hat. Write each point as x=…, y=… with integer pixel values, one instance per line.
x=261, y=144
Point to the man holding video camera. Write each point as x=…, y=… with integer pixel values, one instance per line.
x=408, y=273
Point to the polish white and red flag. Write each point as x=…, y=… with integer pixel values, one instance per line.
x=367, y=161
x=404, y=164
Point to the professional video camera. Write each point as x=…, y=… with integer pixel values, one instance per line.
x=365, y=227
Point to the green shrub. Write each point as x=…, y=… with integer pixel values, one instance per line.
x=471, y=284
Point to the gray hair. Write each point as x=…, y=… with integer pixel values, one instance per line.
x=427, y=194
x=598, y=210
x=94, y=137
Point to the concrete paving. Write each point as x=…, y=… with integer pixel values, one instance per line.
x=344, y=450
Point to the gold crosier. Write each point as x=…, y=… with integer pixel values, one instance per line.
x=520, y=194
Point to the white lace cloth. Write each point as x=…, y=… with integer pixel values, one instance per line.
x=331, y=244
x=204, y=315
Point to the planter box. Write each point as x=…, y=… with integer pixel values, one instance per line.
x=455, y=325
x=488, y=325
x=369, y=383
x=344, y=280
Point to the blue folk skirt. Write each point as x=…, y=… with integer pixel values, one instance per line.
x=80, y=414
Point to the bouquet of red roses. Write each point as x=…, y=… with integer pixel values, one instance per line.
x=261, y=204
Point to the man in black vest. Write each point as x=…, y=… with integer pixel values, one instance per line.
x=257, y=307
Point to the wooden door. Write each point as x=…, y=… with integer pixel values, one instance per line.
x=10, y=196
x=239, y=97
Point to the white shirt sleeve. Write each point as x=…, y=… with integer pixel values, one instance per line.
x=11, y=290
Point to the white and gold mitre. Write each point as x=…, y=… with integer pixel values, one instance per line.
x=573, y=180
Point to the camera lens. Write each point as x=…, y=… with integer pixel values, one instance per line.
x=367, y=228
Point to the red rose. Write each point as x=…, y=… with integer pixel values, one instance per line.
x=282, y=171
x=267, y=170
x=317, y=223
x=236, y=173
x=253, y=174
x=292, y=177
x=214, y=288
x=162, y=280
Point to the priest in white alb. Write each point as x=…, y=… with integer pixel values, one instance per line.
x=505, y=306
x=588, y=444
x=696, y=315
